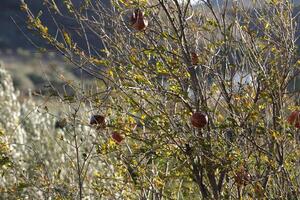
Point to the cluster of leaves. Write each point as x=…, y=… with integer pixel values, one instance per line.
x=39, y=149
x=233, y=63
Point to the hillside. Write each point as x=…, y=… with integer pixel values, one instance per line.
x=12, y=18
x=12, y=37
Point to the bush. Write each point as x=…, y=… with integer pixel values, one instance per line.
x=200, y=93
x=39, y=160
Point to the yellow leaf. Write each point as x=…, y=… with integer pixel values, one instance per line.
x=67, y=38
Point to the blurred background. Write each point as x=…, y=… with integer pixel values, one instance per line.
x=31, y=70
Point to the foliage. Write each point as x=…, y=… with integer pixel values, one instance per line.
x=230, y=62
x=38, y=159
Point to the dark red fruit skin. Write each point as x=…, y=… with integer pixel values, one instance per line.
x=117, y=137
x=194, y=58
x=98, y=120
x=242, y=177
x=199, y=120
x=138, y=20
x=294, y=119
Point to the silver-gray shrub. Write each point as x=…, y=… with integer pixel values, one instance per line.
x=43, y=158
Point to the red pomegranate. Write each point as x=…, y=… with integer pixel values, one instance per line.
x=98, y=120
x=199, y=120
x=138, y=20
x=294, y=119
x=117, y=137
x=242, y=177
x=194, y=58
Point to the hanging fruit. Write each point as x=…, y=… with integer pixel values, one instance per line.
x=98, y=121
x=194, y=58
x=242, y=177
x=294, y=119
x=138, y=21
x=199, y=120
x=61, y=123
x=117, y=137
